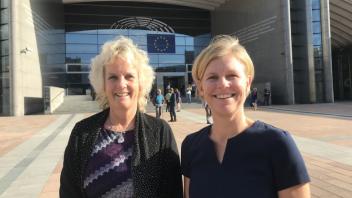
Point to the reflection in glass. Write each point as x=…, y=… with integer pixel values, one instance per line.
x=139, y=40
x=104, y=38
x=170, y=68
x=4, y=31
x=80, y=48
x=4, y=3
x=79, y=58
x=172, y=59
x=315, y=15
x=318, y=51
x=316, y=27
x=81, y=38
x=180, y=40
x=4, y=16
x=189, y=41
x=315, y=4
x=316, y=39
x=4, y=47
x=55, y=58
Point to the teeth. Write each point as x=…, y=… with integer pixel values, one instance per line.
x=121, y=94
x=223, y=96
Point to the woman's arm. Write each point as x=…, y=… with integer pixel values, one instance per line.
x=186, y=187
x=299, y=191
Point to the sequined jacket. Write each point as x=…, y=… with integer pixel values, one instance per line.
x=156, y=171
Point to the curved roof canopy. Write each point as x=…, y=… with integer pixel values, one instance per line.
x=340, y=15
x=341, y=23
x=203, y=4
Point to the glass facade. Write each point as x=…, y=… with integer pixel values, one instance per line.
x=4, y=71
x=84, y=38
x=317, y=47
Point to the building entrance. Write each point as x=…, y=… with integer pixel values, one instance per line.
x=176, y=82
x=342, y=72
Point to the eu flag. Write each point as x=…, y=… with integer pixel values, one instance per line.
x=161, y=43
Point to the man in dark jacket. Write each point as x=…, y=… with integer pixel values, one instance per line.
x=172, y=106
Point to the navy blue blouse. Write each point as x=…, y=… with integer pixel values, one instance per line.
x=258, y=162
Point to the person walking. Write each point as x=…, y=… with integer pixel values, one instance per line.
x=172, y=105
x=254, y=99
x=207, y=112
x=159, y=101
x=237, y=156
x=267, y=94
x=178, y=99
x=121, y=151
x=167, y=99
x=189, y=93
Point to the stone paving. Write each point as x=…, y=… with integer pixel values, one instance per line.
x=31, y=147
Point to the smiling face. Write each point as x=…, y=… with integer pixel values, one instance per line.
x=121, y=85
x=225, y=86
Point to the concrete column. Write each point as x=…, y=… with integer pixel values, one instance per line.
x=285, y=6
x=16, y=92
x=310, y=57
x=326, y=44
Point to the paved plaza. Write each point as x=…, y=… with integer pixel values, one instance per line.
x=31, y=147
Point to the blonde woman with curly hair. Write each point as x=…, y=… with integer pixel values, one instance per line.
x=121, y=151
x=237, y=156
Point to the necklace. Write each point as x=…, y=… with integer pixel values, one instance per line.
x=120, y=134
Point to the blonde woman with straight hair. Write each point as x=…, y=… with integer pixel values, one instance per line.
x=121, y=151
x=237, y=156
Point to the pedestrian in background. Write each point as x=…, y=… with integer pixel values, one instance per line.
x=167, y=99
x=237, y=156
x=178, y=99
x=189, y=93
x=121, y=151
x=267, y=94
x=207, y=112
x=254, y=99
x=172, y=105
x=159, y=101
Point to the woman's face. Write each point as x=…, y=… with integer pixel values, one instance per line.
x=225, y=85
x=121, y=85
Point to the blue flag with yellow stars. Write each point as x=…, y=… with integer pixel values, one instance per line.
x=161, y=43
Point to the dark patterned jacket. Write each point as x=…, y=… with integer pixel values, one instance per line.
x=156, y=171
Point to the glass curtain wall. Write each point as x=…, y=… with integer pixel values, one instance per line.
x=317, y=46
x=4, y=71
x=85, y=37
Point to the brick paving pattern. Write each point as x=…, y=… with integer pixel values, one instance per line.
x=330, y=177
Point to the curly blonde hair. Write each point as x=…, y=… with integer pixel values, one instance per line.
x=121, y=47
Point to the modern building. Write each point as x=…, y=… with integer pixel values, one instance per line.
x=301, y=48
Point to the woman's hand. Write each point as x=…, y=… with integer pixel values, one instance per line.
x=299, y=191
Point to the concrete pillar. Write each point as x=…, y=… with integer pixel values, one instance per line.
x=326, y=44
x=16, y=92
x=285, y=6
x=310, y=57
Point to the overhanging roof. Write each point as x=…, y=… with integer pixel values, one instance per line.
x=341, y=23
x=203, y=4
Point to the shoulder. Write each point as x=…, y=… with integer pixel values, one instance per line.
x=261, y=133
x=93, y=120
x=194, y=139
x=151, y=123
x=264, y=129
x=278, y=140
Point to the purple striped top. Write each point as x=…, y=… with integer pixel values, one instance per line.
x=108, y=173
